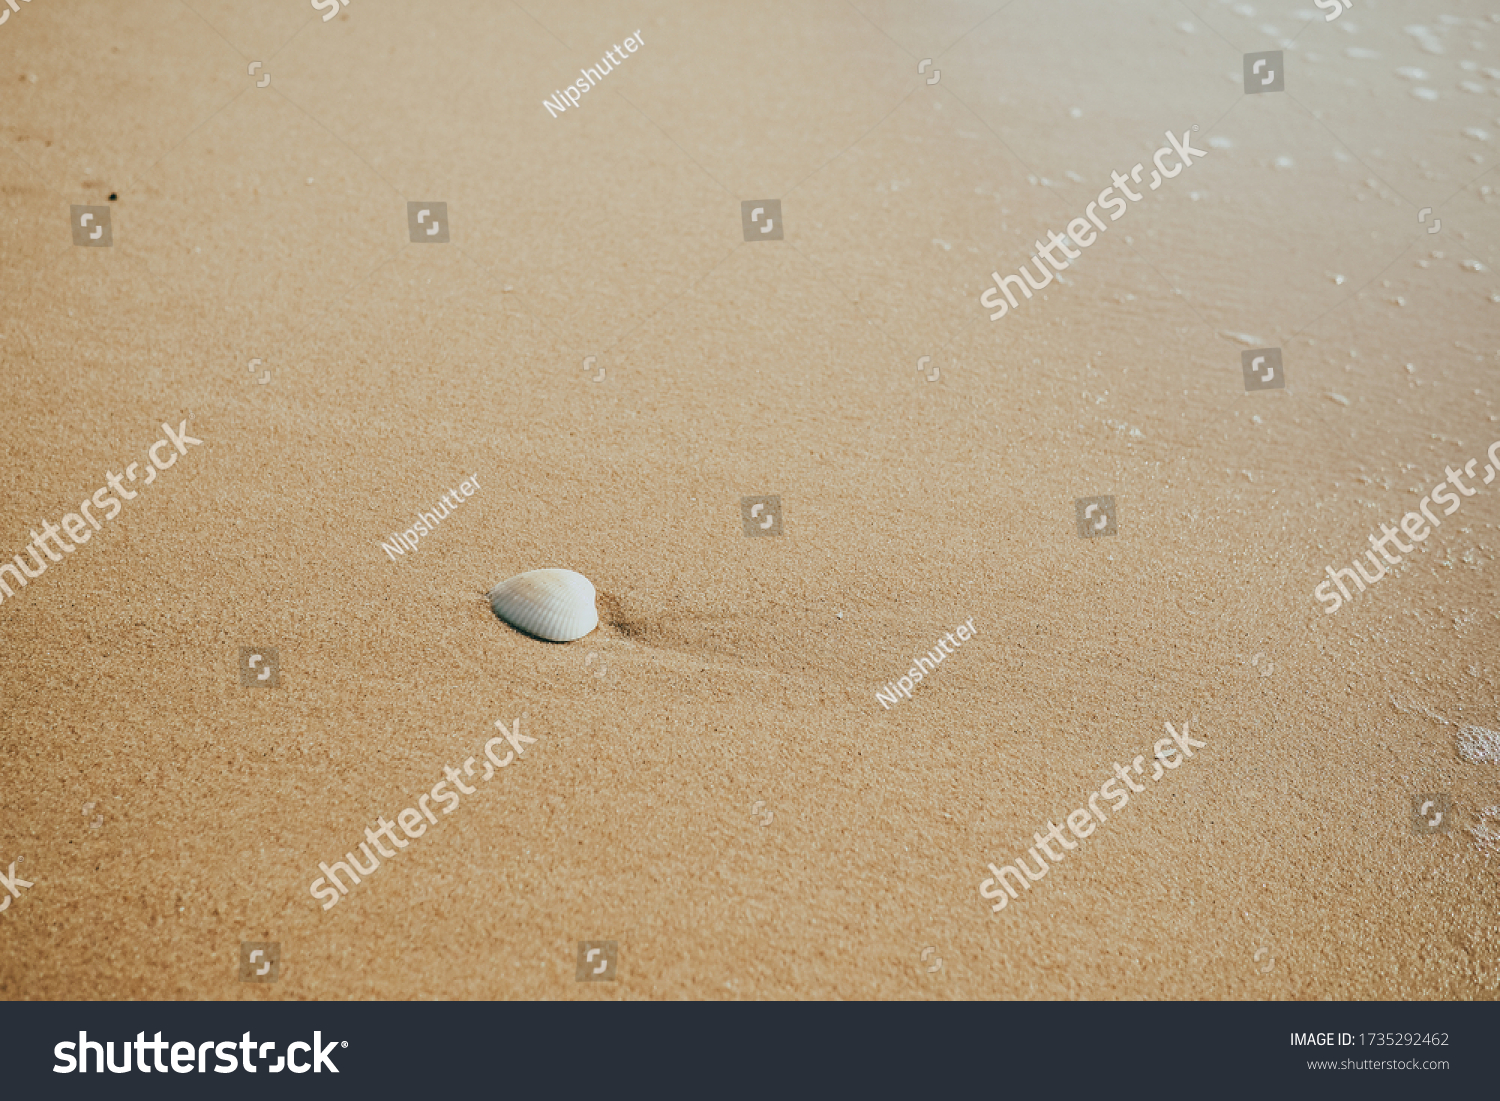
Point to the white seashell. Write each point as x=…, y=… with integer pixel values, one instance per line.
x=557, y=605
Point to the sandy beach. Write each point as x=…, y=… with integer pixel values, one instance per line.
x=726, y=783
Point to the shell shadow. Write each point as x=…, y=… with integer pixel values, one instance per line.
x=626, y=623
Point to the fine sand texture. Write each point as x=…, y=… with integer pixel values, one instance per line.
x=603, y=347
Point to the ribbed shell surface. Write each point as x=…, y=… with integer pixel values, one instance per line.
x=556, y=605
